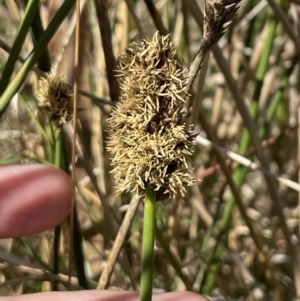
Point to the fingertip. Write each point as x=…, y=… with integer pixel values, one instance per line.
x=97, y=295
x=33, y=198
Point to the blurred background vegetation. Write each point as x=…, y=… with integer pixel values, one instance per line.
x=235, y=236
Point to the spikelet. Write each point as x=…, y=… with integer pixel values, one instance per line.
x=55, y=97
x=218, y=16
x=148, y=140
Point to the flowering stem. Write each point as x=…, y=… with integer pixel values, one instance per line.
x=148, y=245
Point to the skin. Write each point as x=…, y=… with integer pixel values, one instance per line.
x=34, y=198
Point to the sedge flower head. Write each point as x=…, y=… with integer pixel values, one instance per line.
x=148, y=139
x=54, y=96
x=218, y=15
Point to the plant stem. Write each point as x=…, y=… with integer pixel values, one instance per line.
x=148, y=245
x=31, y=8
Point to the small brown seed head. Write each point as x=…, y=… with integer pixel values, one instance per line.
x=55, y=97
x=218, y=16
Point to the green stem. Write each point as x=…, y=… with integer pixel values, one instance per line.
x=148, y=245
x=31, y=252
x=171, y=259
x=37, y=30
x=31, y=8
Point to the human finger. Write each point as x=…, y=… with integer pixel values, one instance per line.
x=96, y=295
x=33, y=198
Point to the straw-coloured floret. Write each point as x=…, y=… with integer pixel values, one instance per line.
x=55, y=97
x=148, y=140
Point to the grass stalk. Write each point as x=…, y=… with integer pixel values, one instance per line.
x=36, y=123
x=78, y=252
x=118, y=244
x=44, y=63
x=31, y=251
x=31, y=8
x=106, y=36
x=172, y=260
x=278, y=11
x=59, y=163
x=148, y=245
x=156, y=17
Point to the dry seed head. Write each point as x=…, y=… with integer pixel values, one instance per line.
x=218, y=16
x=55, y=97
x=148, y=140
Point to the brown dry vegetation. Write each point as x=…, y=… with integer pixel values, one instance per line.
x=235, y=234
